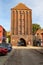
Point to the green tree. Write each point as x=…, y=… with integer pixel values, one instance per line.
x=35, y=27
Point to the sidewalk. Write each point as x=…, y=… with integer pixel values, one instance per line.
x=27, y=47
x=38, y=49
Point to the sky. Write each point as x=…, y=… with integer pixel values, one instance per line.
x=5, y=11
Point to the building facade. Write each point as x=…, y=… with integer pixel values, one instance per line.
x=2, y=34
x=39, y=34
x=21, y=24
x=8, y=37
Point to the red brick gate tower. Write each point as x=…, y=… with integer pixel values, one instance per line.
x=21, y=24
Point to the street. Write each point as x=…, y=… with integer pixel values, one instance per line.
x=3, y=59
x=25, y=57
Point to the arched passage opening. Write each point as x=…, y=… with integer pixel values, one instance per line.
x=22, y=42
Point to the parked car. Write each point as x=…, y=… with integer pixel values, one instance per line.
x=7, y=45
x=37, y=42
x=21, y=42
x=3, y=51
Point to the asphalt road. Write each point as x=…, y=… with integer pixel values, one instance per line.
x=3, y=59
x=25, y=57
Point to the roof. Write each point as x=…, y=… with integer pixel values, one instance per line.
x=39, y=31
x=21, y=6
x=2, y=27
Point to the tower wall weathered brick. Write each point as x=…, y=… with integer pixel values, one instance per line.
x=21, y=24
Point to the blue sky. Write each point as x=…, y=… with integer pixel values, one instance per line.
x=5, y=11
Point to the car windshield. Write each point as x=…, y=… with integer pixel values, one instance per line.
x=2, y=46
x=5, y=45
